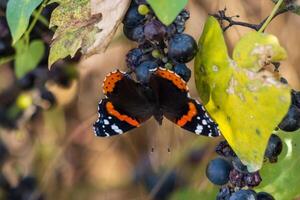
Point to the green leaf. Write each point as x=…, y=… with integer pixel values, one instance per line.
x=28, y=57
x=18, y=14
x=167, y=10
x=247, y=105
x=282, y=179
x=256, y=49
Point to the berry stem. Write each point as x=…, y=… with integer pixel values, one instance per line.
x=269, y=19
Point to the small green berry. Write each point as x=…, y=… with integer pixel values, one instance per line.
x=24, y=101
x=168, y=66
x=143, y=9
x=156, y=54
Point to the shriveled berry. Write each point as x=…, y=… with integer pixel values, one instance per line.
x=274, y=148
x=135, y=34
x=143, y=71
x=252, y=179
x=133, y=18
x=182, y=48
x=218, y=171
x=264, y=196
x=291, y=122
x=237, y=178
x=154, y=30
x=243, y=195
x=183, y=71
x=134, y=57
x=224, y=149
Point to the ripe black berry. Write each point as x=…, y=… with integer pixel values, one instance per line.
x=291, y=122
x=224, y=193
x=243, y=195
x=182, y=48
x=218, y=171
x=264, y=196
x=154, y=30
x=133, y=18
x=135, y=34
x=143, y=71
x=183, y=71
x=237, y=178
x=296, y=98
x=274, y=148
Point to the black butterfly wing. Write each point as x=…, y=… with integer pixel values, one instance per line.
x=125, y=107
x=178, y=107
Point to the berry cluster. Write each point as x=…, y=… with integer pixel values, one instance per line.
x=158, y=45
x=236, y=181
x=291, y=122
x=26, y=96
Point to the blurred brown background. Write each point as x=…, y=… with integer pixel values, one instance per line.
x=71, y=163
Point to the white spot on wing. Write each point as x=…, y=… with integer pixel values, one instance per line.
x=116, y=129
x=106, y=122
x=199, y=129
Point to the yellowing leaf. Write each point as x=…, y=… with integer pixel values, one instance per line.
x=255, y=50
x=247, y=105
x=85, y=24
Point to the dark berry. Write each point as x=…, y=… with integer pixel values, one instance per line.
x=218, y=171
x=291, y=122
x=237, y=178
x=274, y=148
x=171, y=30
x=167, y=186
x=181, y=20
x=154, y=30
x=243, y=195
x=27, y=81
x=182, y=48
x=224, y=149
x=252, y=179
x=264, y=196
x=224, y=193
x=143, y=71
x=133, y=18
x=183, y=71
x=283, y=80
x=135, y=34
x=238, y=165
x=296, y=98
x=134, y=57
x=48, y=96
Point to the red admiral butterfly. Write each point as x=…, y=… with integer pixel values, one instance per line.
x=129, y=103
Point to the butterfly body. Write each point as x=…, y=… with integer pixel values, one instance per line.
x=128, y=104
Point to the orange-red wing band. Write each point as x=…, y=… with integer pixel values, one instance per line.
x=111, y=110
x=189, y=116
x=176, y=80
x=110, y=81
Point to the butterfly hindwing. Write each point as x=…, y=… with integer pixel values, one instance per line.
x=125, y=107
x=178, y=107
x=109, y=124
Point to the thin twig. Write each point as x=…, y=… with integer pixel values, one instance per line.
x=221, y=16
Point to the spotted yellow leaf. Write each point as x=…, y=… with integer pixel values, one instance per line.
x=247, y=105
